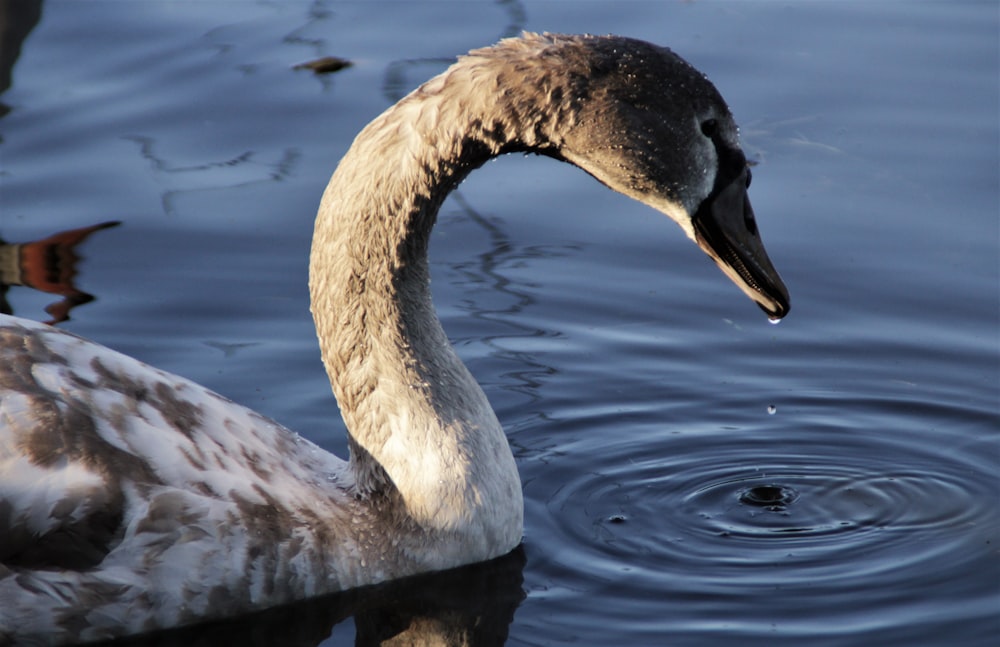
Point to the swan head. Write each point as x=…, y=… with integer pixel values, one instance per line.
x=649, y=125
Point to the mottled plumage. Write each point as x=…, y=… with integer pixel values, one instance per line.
x=131, y=499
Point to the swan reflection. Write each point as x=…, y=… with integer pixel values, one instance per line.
x=471, y=606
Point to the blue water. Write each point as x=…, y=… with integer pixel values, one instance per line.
x=647, y=401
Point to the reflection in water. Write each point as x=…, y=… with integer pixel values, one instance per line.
x=473, y=605
x=317, y=13
x=47, y=265
x=214, y=171
x=403, y=75
x=485, y=273
x=17, y=19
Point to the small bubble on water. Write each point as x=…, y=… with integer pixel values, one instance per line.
x=771, y=409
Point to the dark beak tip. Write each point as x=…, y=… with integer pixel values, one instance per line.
x=777, y=313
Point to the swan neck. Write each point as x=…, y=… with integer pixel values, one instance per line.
x=419, y=424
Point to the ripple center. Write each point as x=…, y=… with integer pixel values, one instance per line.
x=769, y=496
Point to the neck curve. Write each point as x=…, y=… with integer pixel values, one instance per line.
x=419, y=424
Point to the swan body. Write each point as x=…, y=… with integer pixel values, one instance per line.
x=133, y=500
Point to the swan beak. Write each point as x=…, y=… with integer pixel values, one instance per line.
x=725, y=229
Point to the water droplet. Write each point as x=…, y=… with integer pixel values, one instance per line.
x=774, y=320
x=771, y=409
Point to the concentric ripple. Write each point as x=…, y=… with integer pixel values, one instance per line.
x=854, y=497
x=819, y=513
x=810, y=498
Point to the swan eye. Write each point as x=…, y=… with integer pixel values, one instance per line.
x=709, y=128
x=749, y=177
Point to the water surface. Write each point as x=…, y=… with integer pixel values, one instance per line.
x=692, y=474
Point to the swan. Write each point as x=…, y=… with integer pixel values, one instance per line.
x=133, y=500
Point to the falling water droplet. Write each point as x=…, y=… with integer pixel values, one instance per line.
x=771, y=409
x=774, y=320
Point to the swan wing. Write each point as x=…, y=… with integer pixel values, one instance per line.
x=134, y=495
